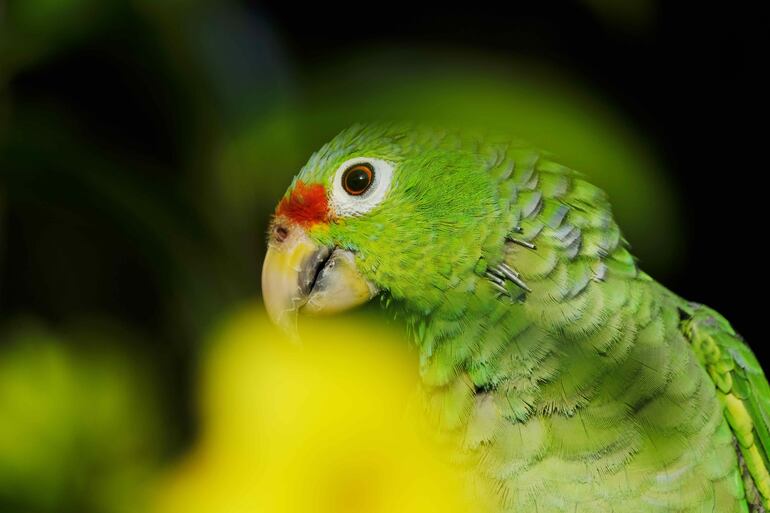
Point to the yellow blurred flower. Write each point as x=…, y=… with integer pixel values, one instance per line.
x=321, y=427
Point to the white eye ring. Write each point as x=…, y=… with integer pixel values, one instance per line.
x=346, y=204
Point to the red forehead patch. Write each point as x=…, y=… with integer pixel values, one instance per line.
x=305, y=205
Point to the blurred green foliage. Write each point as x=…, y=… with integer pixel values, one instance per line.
x=81, y=427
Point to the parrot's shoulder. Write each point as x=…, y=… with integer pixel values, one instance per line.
x=541, y=194
x=742, y=388
x=558, y=228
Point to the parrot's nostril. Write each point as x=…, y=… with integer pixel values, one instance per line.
x=280, y=233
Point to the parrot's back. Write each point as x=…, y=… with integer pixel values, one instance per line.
x=576, y=381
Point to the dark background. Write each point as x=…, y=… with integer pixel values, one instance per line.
x=119, y=119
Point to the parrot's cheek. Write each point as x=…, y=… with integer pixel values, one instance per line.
x=299, y=275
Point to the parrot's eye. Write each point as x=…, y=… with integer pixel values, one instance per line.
x=360, y=184
x=357, y=179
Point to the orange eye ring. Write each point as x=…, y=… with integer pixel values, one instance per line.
x=357, y=179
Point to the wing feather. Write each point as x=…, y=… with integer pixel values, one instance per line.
x=741, y=386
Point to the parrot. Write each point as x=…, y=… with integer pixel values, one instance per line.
x=577, y=382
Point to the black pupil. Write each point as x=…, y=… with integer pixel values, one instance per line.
x=357, y=180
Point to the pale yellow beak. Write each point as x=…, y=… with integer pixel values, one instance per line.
x=300, y=275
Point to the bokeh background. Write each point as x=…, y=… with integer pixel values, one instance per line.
x=144, y=144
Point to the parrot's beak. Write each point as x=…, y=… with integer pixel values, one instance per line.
x=300, y=275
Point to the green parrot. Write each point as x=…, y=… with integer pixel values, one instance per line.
x=577, y=382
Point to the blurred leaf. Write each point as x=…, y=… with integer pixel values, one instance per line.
x=80, y=426
x=32, y=29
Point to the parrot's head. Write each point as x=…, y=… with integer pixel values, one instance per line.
x=381, y=209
